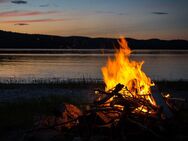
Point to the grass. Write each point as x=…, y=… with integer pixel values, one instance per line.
x=56, y=83
x=84, y=83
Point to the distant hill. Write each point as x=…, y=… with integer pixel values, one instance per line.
x=35, y=41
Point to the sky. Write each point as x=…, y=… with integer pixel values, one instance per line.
x=141, y=19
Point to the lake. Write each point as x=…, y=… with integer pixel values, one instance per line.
x=79, y=64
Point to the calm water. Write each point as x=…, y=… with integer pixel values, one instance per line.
x=159, y=65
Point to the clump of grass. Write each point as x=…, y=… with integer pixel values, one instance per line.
x=78, y=83
x=54, y=80
x=52, y=83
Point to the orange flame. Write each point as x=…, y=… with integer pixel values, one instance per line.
x=127, y=72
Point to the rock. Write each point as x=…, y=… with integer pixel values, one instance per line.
x=64, y=117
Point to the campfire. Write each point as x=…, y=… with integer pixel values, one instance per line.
x=129, y=105
x=124, y=78
x=129, y=96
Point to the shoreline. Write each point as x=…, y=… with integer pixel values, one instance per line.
x=10, y=92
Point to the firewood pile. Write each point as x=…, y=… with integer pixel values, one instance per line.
x=113, y=116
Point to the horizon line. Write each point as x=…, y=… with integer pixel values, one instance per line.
x=85, y=36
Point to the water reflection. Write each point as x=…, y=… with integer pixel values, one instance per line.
x=167, y=65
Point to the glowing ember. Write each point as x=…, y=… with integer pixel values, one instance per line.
x=125, y=71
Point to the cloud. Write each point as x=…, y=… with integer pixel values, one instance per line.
x=21, y=24
x=159, y=13
x=24, y=13
x=19, y=1
x=44, y=5
x=31, y=21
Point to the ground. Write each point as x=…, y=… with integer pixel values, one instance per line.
x=21, y=104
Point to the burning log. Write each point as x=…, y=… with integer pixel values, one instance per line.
x=117, y=88
x=126, y=102
x=167, y=113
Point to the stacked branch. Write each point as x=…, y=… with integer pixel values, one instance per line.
x=127, y=104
